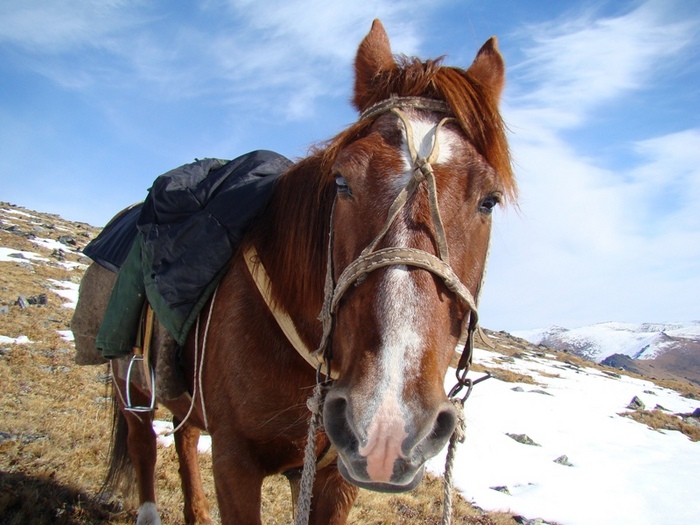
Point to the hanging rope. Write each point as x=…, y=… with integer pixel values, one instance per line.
x=315, y=405
x=198, y=366
x=457, y=437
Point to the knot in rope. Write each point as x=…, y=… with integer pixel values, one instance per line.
x=423, y=169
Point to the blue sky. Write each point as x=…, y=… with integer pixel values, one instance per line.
x=97, y=98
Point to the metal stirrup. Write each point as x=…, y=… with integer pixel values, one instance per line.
x=129, y=406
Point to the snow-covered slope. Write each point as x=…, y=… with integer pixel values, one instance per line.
x=614, y=467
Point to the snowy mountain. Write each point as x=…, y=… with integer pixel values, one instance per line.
x=598, y=341
x=671, y=347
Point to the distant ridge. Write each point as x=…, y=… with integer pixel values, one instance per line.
x=653, y=349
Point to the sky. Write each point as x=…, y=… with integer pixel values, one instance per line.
x=97, y=98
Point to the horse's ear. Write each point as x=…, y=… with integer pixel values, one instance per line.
x=488, y=68
x=373, y=57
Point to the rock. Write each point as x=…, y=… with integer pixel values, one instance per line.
x=691, y=420
x=636, y=404
x=40, y=299
x=538, y=391
x=564, y=460
x=517, y=389
x=67, y=239
x=24, y=302
x=522, y=520
x=24, y=439
x=501, y=488
x=524, y=439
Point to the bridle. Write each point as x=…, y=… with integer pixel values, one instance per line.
x=371, y=258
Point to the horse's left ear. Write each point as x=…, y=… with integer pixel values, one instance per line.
x=373, y=57
x=488, y=68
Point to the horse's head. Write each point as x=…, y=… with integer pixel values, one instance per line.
x=417, y=179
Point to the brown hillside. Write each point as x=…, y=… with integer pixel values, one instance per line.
x=55, y=416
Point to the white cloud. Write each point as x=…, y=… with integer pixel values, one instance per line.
x=245, y=48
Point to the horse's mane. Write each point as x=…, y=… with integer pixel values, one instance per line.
x=295, y=231
x=474, y=107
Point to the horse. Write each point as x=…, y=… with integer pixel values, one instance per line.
x=384, y=230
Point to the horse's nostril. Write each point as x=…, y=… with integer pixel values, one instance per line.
x=336, y=423
x=444, y=425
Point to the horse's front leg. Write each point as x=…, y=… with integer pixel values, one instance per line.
x=238, y=480
x=196, y=504
x=333, y=497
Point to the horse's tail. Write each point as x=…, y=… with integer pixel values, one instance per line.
x=121, y=474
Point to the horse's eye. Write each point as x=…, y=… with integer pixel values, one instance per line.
x=342, y=185
x=489, y=203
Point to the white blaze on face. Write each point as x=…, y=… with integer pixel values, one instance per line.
x=423, y=141
x=402, y=345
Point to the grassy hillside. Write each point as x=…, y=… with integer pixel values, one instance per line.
x=55, y=417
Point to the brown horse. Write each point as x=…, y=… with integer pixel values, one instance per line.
x=385, y=230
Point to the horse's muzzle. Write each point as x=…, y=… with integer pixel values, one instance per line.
x=403, y=459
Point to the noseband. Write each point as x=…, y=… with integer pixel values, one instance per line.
x=371, y=258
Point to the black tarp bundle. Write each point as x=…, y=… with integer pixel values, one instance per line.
x=188, y=228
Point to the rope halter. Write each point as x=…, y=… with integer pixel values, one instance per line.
x=371, y=258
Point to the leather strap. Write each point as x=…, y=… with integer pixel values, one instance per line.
x=264, y=285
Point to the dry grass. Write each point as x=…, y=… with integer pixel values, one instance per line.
x=661, y=420
x=55, y=422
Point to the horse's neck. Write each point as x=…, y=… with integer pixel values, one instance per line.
x=292, y=241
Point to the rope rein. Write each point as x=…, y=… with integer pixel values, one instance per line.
x=198, y=367
x=308, y=473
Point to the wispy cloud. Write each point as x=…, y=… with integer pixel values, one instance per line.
x=589, y=233
x=60, y=26
x=576, y=64
x=244, y=48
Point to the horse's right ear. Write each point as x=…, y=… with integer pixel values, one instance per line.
x=373, y=57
